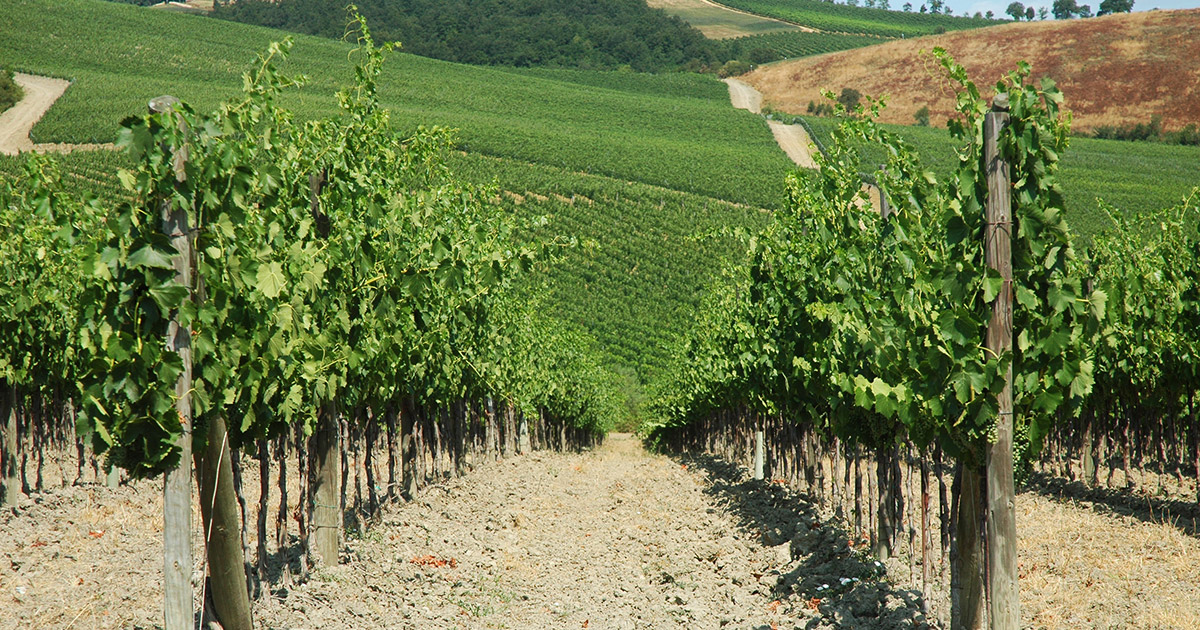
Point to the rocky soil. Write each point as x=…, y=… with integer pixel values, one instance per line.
x=609, y=538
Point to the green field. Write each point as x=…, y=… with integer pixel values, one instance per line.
x=1132, y=176
x=120, y=56
x=649, y=160
x=841, y=18
x=797, y=44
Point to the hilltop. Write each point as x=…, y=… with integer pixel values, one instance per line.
x=1115, y=70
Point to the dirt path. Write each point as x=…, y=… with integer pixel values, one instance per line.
x=614, y=538
x=793, y=139
x=17, y=121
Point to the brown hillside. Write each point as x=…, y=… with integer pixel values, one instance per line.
x=1113, y=70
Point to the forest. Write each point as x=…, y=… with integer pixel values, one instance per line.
x=586, y=34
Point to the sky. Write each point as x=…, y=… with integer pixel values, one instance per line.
x=998, y=6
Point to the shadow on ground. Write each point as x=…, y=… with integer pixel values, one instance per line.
x=1184, y=515
x=840, y=586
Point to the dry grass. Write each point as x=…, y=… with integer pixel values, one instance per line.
x=1081, y=567
x=1113, y=70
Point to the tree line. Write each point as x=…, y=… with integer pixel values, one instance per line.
x=587, y=34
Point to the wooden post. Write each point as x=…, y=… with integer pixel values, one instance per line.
x=760, y=448
x=177, y=486
x=10, y=488
x=885, y=513
x=524, y=443
x=325, y=494
x=967, y=553
x=1003, y=603
x=408, y=449
x=885, y=210
x=222, y=530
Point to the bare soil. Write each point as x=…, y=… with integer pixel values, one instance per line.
x=17, y=121
x=1113, y=70
x=609, y=538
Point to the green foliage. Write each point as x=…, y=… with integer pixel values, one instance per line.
x=10, y=91
x=849, y=99
x=1149, y=265
x=873, y=329
x=1065, y=9
x=733, y=68
x=122, y=56
x=47, y=239
x=1135, y=177
x=587, y=34
x=1115, y=6
x=922, y=116
x=335, y=261
x=844, y=18
x=643, y=258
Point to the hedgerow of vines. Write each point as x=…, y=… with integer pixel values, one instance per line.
x=334, y=261
x=873, y=328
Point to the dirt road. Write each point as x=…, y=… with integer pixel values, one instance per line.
x=614, y=538
x=793, y=139
x=17, y=121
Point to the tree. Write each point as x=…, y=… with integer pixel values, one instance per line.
x=978, y=15
x=1043, y=13
x=989, y=15
x=1064, y=9
x=922, y=116
x=1085, y=11
x=849, y=98
x=936, y=6
x=1115, y=6
x=907, y=6
x=1016, y=10
x=1029, y=14
x=886, y=5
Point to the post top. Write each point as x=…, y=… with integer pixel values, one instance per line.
x=160, y=104
x=1000, y=103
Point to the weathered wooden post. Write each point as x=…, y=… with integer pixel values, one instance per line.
x=326, y=509
x=222, y=529
x=760, y=447
x=10, y=488
x=1003, y=602
x=177, y=485
x=885, y=210
x=408, y=449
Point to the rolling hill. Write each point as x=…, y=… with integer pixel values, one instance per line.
x=630, y=165
x=1114, y=70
